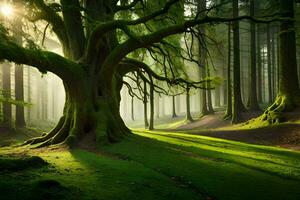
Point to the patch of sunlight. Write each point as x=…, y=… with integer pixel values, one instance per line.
x=278, y=160
x=172, y=125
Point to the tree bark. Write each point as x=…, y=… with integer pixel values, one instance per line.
x=209, y=98
x=151, y=123
x=174, y=115
x=202, y=61
x=237, y=104
x=188, y=108
x=259, y=67
x=6, y=86
x=28, y=94
x=253, y=103
x=145, y=106
x=228, y=113
x=19, y=95
x=288, y=83
x=269, y=61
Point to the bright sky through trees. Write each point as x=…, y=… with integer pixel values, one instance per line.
x=7, y=10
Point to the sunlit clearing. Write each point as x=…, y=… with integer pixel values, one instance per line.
x=7, y=10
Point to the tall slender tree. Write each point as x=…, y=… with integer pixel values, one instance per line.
x=228, y=113
x=253, y=103
x=202, y=60
x=145, y=105
x=6, y=86
x=19, y=77
x=269, y=64
x=188, y=117
x=237, y=104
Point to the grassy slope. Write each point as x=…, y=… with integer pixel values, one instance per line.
x=157, y=165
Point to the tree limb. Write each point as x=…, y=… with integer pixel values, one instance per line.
x=42, y=60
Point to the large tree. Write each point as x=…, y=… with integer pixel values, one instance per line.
x=96, y=58
x=288, y=95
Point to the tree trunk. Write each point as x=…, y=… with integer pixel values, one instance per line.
x=270, y=100
x=228, y=113
x=209, y=99
x=188, y=108
x=202, y=61
x=288, y=95
x=85, y=117
x=217, y=97
x=6, y=108
x=145, y=106
x=259, y=67
x=19, y=95
x=237, y=104
x=132, y=108
x=253, y=103
x=28, y=94
x=151, y=124
x=225, y=89
x=274, y=66
x=288, y=83
x=174, y=115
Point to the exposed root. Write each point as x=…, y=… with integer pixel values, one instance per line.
x=275, y=114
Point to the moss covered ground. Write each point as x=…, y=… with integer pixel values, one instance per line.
x=152, y=165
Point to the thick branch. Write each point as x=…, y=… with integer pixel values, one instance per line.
x=74, y=27
x=104, y=28
x=42, y=60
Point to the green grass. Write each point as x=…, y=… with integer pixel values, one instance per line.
x=157, y=165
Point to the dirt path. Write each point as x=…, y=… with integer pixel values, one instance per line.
x=285, y=135
x=215, y=121
x=207, y=122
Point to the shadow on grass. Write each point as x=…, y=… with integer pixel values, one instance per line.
x=212, y=171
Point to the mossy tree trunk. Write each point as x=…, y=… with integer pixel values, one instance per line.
x=288, y=95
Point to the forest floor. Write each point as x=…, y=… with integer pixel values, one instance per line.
x=285, y=135
x=176, y=163
x=152, y=165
